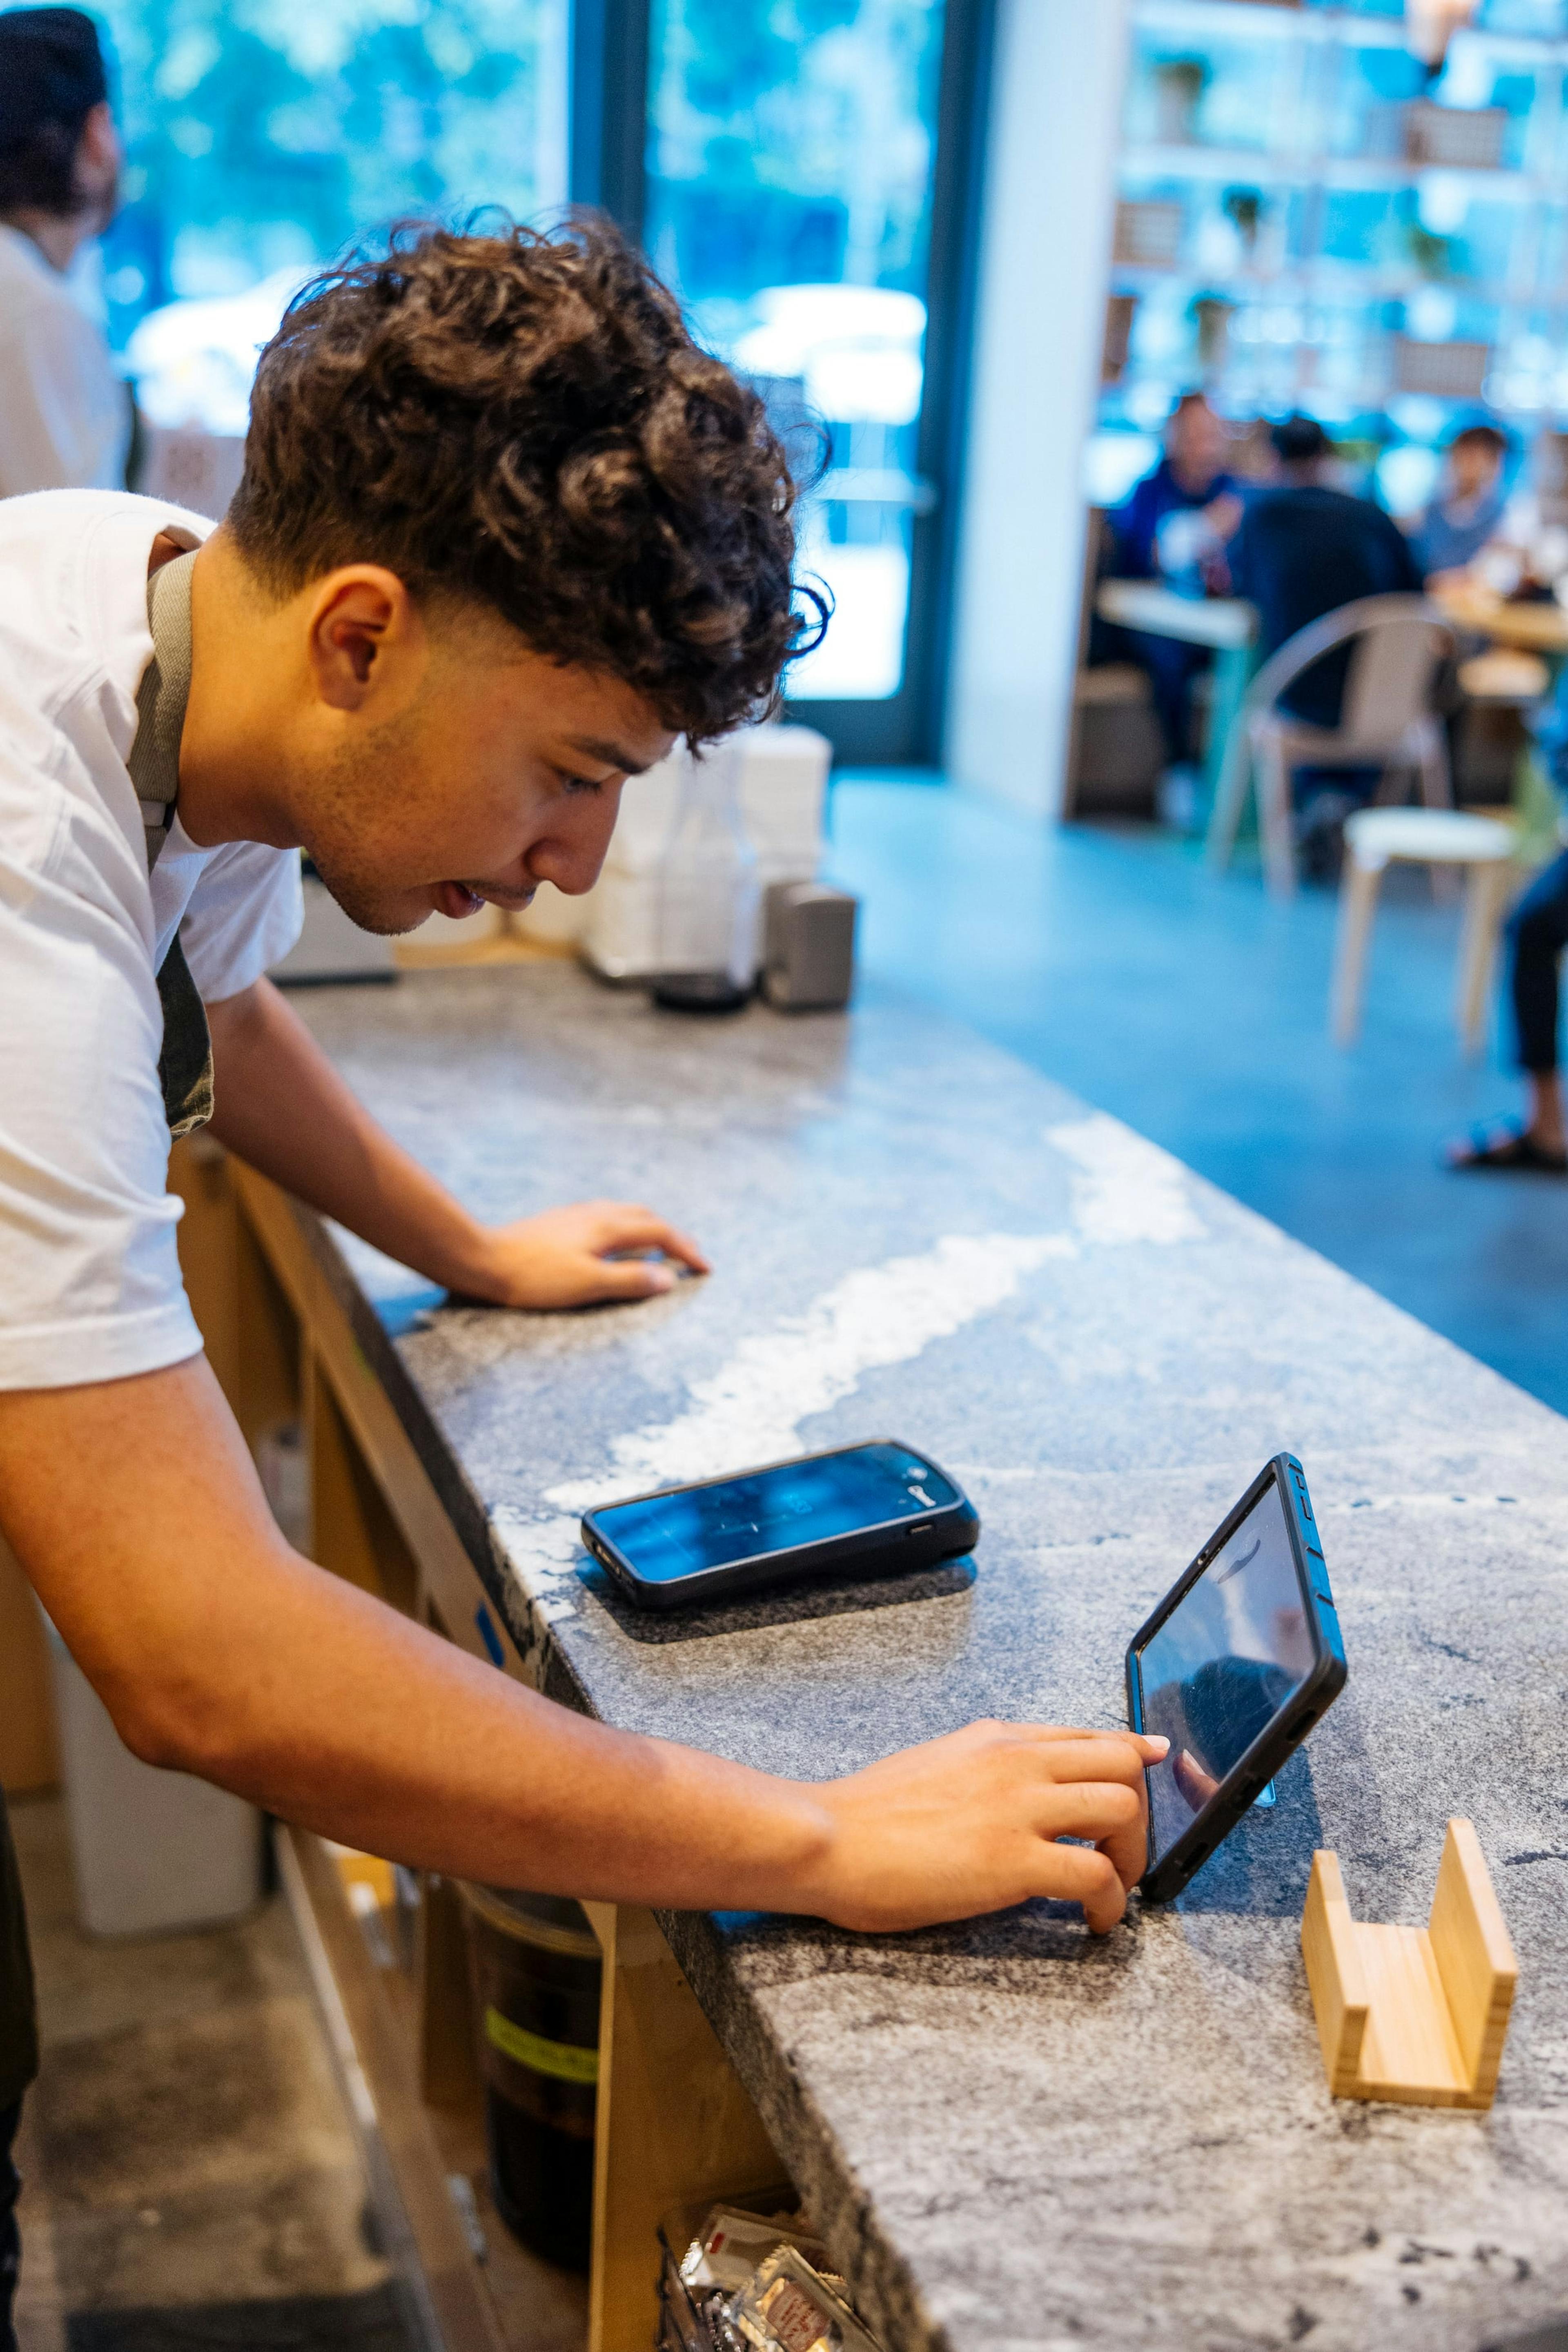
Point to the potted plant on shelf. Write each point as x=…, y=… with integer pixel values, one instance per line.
x=1243, y=207
x=1179, y=86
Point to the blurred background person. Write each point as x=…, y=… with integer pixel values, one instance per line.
x=1537, y=935
x=1466, y=511
x=65, y=415
x=1192, y=490
x=1189, y=477
x=1303, y=548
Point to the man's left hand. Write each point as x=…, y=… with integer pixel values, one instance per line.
x=582, y=1256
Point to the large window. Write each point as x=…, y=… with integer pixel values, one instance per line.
x=266, y=135
x=790, y=156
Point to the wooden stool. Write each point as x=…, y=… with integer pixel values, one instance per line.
x=1376, y=838
x=1414, y=2014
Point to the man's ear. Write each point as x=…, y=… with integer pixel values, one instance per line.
x=366, y=639
x=98, y=146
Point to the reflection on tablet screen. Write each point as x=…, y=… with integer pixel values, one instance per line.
x=1221, y=1666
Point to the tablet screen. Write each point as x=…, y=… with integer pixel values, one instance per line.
x=1215, y=1672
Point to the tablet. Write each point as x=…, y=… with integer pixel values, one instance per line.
x=1235, y=1667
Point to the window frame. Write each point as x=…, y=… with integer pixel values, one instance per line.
x=608, y=105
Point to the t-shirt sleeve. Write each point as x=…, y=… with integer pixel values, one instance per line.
x=243, y=917
x=89, y=1276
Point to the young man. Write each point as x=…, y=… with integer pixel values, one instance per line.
x=65, y=416
x=504, y=532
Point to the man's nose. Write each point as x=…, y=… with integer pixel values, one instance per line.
x=572, y=852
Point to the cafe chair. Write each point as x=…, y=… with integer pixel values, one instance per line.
x=1386, y=722
x=1449, y=839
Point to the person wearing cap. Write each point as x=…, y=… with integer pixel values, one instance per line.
x=504, y=534
x=65, y=415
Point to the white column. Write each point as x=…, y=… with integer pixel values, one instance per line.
x=1045, y=259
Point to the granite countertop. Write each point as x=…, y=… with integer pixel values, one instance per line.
x=1015, y=2135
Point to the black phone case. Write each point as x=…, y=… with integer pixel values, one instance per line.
x=894, y=1546
x=1273, y=1748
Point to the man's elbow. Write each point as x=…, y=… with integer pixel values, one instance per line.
x=178, y=1731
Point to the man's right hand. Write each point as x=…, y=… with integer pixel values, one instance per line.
x=969, y=1822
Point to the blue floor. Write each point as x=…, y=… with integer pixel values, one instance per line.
x=1195, y=1008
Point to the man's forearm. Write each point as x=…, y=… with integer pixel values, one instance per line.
x=283, y=1107
x=362, y=1726
x=239, y=1660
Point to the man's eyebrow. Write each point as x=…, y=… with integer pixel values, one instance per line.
x=614, y=755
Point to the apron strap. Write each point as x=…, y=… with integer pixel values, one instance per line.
x=18, y=2015
x=185, y=1062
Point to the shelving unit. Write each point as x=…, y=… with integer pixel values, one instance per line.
x=1295, y=246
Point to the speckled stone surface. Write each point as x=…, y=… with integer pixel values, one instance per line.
x=1013, y=2135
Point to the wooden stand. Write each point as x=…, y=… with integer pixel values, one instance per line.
x=1414, y=2014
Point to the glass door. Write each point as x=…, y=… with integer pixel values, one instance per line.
x=795, y=164
x=263, y=139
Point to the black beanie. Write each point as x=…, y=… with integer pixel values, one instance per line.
x=51, y=71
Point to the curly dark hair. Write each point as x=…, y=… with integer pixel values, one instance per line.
x=524, y=419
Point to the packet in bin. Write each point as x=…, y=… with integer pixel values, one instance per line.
x=684, y=2324
x=790, y=2307
x=728, y=2249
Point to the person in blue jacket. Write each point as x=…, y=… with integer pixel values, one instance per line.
x=1191, y=477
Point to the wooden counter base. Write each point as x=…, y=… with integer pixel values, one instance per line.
x=675, y=2124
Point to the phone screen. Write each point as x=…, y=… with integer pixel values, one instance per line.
x=1232, y=1650
x=670, y=1535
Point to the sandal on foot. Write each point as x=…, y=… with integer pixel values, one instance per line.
x=1506, y=1144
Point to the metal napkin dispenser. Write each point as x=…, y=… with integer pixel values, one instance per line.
x=808, y=947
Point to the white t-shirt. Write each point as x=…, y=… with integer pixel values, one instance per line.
x=90, y=1281
x=65, y=418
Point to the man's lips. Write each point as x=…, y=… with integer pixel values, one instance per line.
x=458, y=900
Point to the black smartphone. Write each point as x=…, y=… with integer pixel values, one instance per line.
x=1235, y=1667
x=860, y=1510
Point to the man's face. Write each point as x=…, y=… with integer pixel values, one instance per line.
x=501, y=770
x=99, y=161
x=1198, y=441
x=1473, y=467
